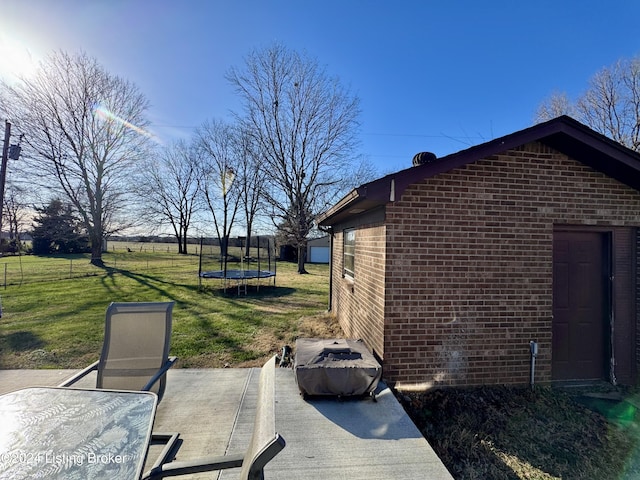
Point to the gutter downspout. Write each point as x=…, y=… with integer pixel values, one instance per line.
x=330, y=305
x=329, y=230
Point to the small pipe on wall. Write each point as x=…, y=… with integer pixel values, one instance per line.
x=533, y=351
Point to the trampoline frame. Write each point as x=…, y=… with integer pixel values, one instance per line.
x=240, y=276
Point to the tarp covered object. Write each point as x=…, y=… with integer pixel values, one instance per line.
x=335, y=367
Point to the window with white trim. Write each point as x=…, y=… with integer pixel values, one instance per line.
x=349, y=252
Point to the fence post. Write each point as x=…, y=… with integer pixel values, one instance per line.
x=5, y=276
x=70, y=267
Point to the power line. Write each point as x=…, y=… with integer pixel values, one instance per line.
x=375, y=134
x=420, y=135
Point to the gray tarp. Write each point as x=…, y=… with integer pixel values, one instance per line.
x=335, y=367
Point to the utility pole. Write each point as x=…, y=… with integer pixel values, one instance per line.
x=3, y=167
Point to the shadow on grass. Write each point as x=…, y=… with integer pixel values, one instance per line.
x=22, y=341
x=252, y=291
x=64, y=256
x=151, y=282
x=148, y=281
x=214, y=339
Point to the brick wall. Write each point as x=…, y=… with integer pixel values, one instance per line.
x=469, y=265
x=359, y=303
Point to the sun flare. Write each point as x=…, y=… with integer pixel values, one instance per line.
x=16, y=59
x=106, y=114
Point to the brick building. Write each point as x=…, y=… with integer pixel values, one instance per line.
x=449, y=269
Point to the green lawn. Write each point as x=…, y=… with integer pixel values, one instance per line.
x=53, y=308
x=53, y=317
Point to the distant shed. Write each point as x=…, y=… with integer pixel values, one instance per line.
x=319, y=250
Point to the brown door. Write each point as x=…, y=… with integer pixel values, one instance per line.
x=579, y=306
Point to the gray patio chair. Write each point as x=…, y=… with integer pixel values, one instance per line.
x=135, y=352
x=264, y=445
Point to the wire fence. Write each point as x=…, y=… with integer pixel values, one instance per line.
x=135, y=257
x=33, y=269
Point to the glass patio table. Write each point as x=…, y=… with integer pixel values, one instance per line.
x=69, y=433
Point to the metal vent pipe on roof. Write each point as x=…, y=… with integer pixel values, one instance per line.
x=423, y=158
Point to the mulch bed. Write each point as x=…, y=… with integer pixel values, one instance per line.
x=514, y=433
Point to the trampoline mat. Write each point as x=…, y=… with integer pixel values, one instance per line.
x=238, y=274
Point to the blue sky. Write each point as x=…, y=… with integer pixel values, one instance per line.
x=434, y=76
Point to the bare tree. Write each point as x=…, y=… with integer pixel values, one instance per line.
x=251, y=180
x=15, y=211
x=219, y=166
x=170, y=189
x=304, y=124
x=556, y=105
x=610, y=105
x=83, y=134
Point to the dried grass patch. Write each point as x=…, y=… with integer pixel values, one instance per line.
x=512, y=433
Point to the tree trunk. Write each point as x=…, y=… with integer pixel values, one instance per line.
x=247, y=248
x=302, y=252
x=180, y=249
x=223, y=247
x=184, y=244
x=96, y=252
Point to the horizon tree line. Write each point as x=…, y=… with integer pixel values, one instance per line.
x=287, y=156
x=86, y=143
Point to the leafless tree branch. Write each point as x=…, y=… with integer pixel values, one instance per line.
x=84, y=133
x=303, y=123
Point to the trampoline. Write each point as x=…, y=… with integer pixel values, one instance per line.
x=241, y=276
x=238, y=274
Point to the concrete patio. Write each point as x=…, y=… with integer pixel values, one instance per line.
x=213, y=410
